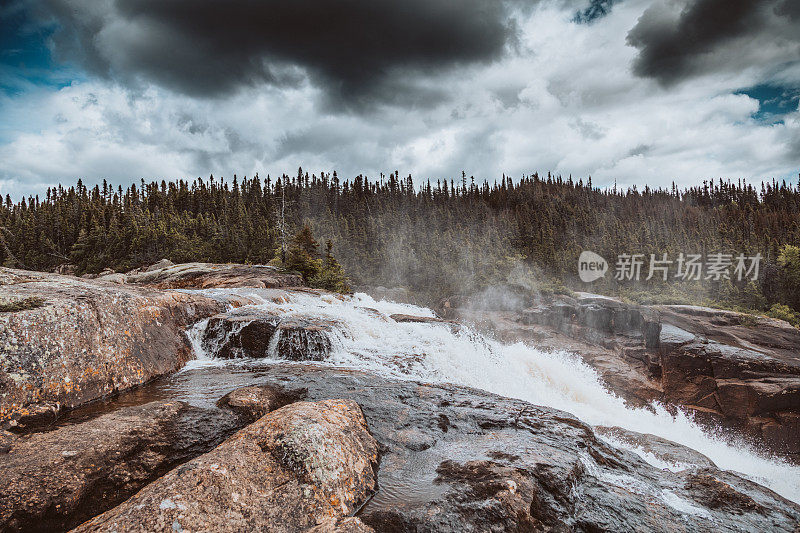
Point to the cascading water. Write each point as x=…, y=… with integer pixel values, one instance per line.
x=432, y=352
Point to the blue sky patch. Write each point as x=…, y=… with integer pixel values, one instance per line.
x=595, y=10
x=774, y=101
x=26, y=61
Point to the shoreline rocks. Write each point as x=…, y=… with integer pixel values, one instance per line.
x=460, y=459
x=452, y=459
x=303, y=465
x=88, y=340
x=457, y=459
x=56, y=480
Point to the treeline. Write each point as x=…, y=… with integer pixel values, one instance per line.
x=435, y=238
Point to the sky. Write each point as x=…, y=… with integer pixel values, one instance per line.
x=632, y=92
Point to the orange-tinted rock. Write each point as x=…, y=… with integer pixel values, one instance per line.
x=55, y=480
x=88, y=340
x=291, y=470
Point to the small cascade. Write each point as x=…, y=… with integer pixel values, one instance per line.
x=272, y=348
x=258, y=332
x=205, y=355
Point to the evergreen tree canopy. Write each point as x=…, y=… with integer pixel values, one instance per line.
x=439, y=238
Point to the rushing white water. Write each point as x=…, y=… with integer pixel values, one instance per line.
x=372, y=341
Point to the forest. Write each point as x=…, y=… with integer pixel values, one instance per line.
x=435, y=238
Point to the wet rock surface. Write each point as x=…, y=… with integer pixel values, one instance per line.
x=303, y=339
x=726, y=367
x=256, y=401
x=306, y=464
x=87, y=340
x=344, y=525
x=399, y=317
x=451, y=458
x=211, y=275
x=460, y=459
x=55, y=480
x=666, y=451
x=259, y=334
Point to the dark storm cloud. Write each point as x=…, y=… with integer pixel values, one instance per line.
x=709, y=35
x=789, y=8
x=353, y=49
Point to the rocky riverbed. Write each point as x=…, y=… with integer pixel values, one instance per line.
x=315, y=412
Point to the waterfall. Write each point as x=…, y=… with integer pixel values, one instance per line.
x=367, y=338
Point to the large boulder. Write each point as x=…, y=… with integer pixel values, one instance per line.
x=240, y=334
x=56, y=480
x=254, y=402
x=293, y=469
x=85, y=340
x=210, y=275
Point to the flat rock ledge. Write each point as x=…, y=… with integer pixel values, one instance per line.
x=305, y=465
x=211, y=275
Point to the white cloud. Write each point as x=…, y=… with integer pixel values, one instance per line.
x=567, y=102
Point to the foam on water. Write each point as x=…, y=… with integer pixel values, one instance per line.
x=440, y=353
